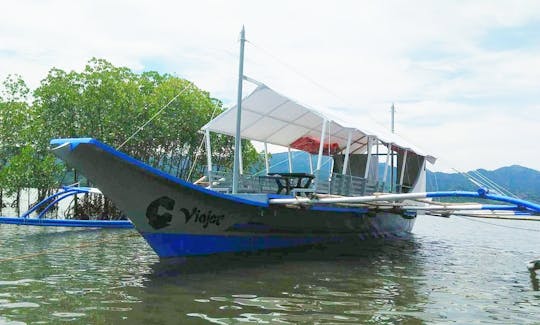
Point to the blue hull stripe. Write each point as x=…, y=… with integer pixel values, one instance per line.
x=76, y=142
x=169, y=245
x=67, y=222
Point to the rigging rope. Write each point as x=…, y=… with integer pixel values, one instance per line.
x=494, y=224
x=301, y=74
x=140, y=128
x=502, y=189
x=197, y=154
x=485, y=182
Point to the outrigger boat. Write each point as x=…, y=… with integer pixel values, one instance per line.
x=234, y=212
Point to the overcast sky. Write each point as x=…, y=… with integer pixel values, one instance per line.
x=464, y=76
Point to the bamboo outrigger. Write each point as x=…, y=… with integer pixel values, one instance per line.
x=49, y=202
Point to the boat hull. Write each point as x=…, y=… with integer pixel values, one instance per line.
x=178, y=218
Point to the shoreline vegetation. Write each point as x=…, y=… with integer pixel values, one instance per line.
x=153, y=117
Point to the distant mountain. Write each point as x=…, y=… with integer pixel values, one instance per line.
x=279, y=162
x=522, y=181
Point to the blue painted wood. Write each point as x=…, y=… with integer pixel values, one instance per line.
x=67, y=222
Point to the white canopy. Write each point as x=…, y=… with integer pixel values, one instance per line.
x=268, y=116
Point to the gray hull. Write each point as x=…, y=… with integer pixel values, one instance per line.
x=178, y=218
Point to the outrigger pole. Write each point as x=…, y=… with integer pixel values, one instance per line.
x=517, y=204
x=237, y=137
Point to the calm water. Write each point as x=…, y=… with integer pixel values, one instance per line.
x=451, y=270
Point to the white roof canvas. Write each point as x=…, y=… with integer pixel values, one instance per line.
x=268, y=116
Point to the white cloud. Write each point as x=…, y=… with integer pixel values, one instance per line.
x=498, y=141
x=355, y=56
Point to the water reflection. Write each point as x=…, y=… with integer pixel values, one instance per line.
x=534, y=280
x=367, y=282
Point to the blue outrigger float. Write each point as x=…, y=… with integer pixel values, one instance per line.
x=233, y=212
x=49, y=202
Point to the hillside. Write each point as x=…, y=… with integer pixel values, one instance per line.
x=521, y=181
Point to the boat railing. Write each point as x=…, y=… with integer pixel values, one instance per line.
x=348, y=185
x=338, y=184
x=273, y=184
x=222, y=181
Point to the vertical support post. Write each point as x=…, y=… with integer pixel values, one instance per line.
x=377, y=155
x=237, y=138
x=208, y=157
x=310, y=163
x=329, y=153
x=347, y=153
x=289, y=155
x=241, y=161
x=75, y=198
x=402, y=171
x=368, y=160
x=321, y=146
x=266, y=164
x=392, y=177
x=389, y=148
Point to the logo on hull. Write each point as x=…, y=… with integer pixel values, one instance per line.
x=160, y=220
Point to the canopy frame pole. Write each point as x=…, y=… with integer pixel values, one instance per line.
x=321, y=146
x=331, y=165
x=389, y=149
x=208, y=157
x=310, y=163
x=266, y=164
x=237, y=138
x=377, y=143
x=289, y=156
x=403, y=171
x=347, y=153
x=392, y=176
x=368, y=160
x=241, y=160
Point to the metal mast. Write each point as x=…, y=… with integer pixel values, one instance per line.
x=393, y=111
x=237, y=137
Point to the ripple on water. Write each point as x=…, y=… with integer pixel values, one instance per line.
x=17, y=282
x=442, y=274
x=68, y=315
x=16, y=305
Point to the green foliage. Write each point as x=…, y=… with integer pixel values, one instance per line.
x=14, y=89
x=15, y=118
x=110, y=104
x=29, y=169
